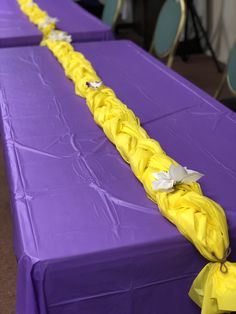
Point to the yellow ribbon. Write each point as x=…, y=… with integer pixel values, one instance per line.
x=198, y=218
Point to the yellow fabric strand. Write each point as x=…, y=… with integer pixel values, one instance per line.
x=198, y=218
x=36, y=15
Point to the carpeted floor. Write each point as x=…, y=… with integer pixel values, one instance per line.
x=7, y=259
x=199, y=69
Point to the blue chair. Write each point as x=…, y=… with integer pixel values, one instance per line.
x=111, y=12
x=170, y=24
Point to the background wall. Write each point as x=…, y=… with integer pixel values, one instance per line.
x=219, y=19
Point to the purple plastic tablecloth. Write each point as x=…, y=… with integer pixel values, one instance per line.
x=87, y=239
x=17, y=30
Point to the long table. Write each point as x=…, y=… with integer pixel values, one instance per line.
x=17, y=30
x=87, y=238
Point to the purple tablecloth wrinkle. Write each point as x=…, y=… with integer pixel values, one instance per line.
x=17, y=30
x=87, y=239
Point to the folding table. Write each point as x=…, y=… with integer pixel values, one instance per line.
x=87, y=238
x=17, y=30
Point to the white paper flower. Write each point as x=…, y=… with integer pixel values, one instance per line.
x=94, y=84
x=47, y=21
x=165, y=181
x=59, y=36
x=30, y=4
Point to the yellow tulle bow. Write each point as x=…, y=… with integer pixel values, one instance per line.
x=198, y=218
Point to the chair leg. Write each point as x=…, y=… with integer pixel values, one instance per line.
x=151, y=49
x=221, y=85
x=170, y=60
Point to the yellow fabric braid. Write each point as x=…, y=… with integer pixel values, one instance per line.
x=198, y=218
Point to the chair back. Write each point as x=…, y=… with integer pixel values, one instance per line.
x=111, y=11
x=231, y=70
x=169, y=26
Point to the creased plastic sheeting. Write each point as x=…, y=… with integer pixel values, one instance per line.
x=87, y=237
x=16, y=30
x=26, y=286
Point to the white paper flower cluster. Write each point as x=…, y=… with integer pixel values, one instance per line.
x=165, y=181
x=47, y=21
x=59, y=36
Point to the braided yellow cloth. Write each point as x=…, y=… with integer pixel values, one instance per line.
x=198, y=218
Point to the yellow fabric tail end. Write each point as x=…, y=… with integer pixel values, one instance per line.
x=214, y=289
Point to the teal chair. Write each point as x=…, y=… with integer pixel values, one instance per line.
x=229, y=76
x=169, y=26
x=111, y=12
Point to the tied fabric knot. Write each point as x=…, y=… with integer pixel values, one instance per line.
x=223, y=267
